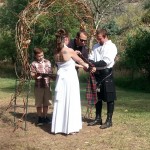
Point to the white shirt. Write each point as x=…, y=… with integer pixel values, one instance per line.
x=106, y=52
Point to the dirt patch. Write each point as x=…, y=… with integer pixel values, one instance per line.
x=40, y=137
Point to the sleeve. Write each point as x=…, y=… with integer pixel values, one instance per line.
x=100, y=63
x=32, y=68
x=91, y=56
x=85, y=52
x=49, y=67
x=109, y=54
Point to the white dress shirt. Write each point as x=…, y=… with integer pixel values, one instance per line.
x=106, y=52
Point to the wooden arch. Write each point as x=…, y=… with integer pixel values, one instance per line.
x=30, y=15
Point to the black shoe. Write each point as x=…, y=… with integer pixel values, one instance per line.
x=46, y=120
x=95, y=122
x=107, y=124
x=40, y=121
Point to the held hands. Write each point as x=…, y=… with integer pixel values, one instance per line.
x=90, y=69
x=86, y=67
x=93, y=69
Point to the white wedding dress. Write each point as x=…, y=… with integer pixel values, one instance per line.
x=67, y=105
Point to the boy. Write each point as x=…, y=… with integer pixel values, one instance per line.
x=42, y=85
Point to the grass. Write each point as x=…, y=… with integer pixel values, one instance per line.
x=131, y=125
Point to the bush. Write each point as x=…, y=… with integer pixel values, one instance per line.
x=137, y=53
x=137, y=84
x=7, y=70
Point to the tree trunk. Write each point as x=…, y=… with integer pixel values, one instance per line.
x=91, y=43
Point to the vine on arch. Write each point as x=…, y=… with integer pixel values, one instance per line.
x=30, y=15
x=24, y=32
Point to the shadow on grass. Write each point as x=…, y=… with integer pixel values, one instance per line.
x=32, y=118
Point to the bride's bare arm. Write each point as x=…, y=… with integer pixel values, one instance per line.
x=79, y=66
x=78, y=59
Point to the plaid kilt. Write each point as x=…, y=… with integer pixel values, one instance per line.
x=91, y=93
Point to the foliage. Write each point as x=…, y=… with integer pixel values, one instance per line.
x=147, y=4
x=111, y=27
x=43, y=32
x=9, y=13
x=102, y=10
x=136, y=84
x=137, y=54
x=146, y=16
x=8, y=18
x=7, y=46
x=7, y=70
x=46, y=27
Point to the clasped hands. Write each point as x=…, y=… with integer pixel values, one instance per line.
x=93, y=69
x=90, y=69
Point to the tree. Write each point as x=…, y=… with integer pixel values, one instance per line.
x=146, y=16
x=43, y=31
x=8, y=17
x=137, y=53
x=102, y=11
x=7, y=47
x=45, y=28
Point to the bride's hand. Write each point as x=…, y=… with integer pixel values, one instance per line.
x=86, y=66
x=79, y=66
x=77, y=52
x=93, y=70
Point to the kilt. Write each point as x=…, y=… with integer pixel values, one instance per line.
x=91, y=92
x=107, y=87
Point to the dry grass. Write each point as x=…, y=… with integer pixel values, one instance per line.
x=131, y=126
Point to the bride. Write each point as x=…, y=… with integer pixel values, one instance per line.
x=67, y=116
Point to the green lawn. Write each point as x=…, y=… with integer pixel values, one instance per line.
x=131, y=120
